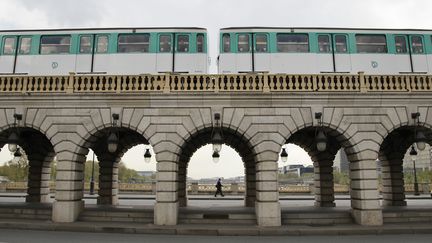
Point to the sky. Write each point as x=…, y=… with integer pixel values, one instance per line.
x=213, y=15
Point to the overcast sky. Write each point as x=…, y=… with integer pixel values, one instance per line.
x=35, y=14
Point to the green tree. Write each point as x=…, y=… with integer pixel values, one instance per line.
x=341, y=178
x=127, y=175
x=17, y=168
x=88, y=171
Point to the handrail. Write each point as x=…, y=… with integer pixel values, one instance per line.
x=233, y=83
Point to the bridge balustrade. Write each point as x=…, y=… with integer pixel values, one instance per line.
x=216, y=83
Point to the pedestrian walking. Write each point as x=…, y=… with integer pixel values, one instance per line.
x=219, y=188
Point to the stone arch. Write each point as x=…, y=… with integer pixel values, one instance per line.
x=232, y=138
x=390, y=157
x=40, y=154
x=322, y=161
x=108, y=162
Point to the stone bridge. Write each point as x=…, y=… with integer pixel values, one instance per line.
x=371, y=117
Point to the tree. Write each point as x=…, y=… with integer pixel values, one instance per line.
x=17, y=168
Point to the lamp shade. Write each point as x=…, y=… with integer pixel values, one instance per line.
x=215, y=157
x=321, y=141
x=12, y=141
x=421, y=141
x=284, y=155
x=112, y=142
x=217, y=141
x=147, y=156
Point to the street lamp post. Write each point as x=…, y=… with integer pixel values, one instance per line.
x=92, y=183
x=413, y=154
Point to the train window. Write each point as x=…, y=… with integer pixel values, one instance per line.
x=292, y=43
x=401, y=45
x=261, y=43
x=9, y=46
x=55, y=44
x=243, y=44
x=371, y=43
x=25, y=45
x=183, y=43
x=134, y=43
x=200, y=43
x=324, y=43
x=165, y=43
x=417, y=44
x=341, y=45
x=226, y=42
x=102, y=44
x=85, y=44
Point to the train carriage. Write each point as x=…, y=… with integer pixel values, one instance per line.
x=104, y=51
x=324, y=50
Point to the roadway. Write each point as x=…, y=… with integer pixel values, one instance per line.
x=30, y=236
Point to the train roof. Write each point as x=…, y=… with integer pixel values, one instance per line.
x=324, y=29
x=104, y=29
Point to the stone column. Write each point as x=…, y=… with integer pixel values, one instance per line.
x=39, y=177
x=182, y=192
x=267, y=205
x=393, y=191
x=324, y=185
x=69, y=184
x=108, y=181
x=365, y=202
x=166, y=207
x=250, y=188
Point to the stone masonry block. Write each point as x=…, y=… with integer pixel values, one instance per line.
x=266, y=176
x=267, y=156
x=267, y=196
x=267, y=186
x=166, y=213
x=167, y=166
x=66, y=211
x=261, y=136
x=364, y=184
x=69, y=185
x=68, y=195
x=69, y=175
x=363, y=175
x=162, y=186
x=266, y=166
x=369, y=194
x=166, y=176
x=268, y=214
x=368, y=217
x=166, y=197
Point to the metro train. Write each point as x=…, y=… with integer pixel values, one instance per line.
x=131, y=51
x=104, y=51
x=324, y=50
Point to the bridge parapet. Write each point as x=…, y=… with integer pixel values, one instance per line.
x=354, y=83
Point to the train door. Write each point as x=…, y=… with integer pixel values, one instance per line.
x=325, y=57
x=84, y=58
x=15, y=58
x=183, y=59
x=165, y=56
x=418, y=54
x=260, y=53
x=90, y=57
x=244, y=57
x=341, y=54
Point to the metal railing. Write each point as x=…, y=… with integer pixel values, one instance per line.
x=76, y=84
